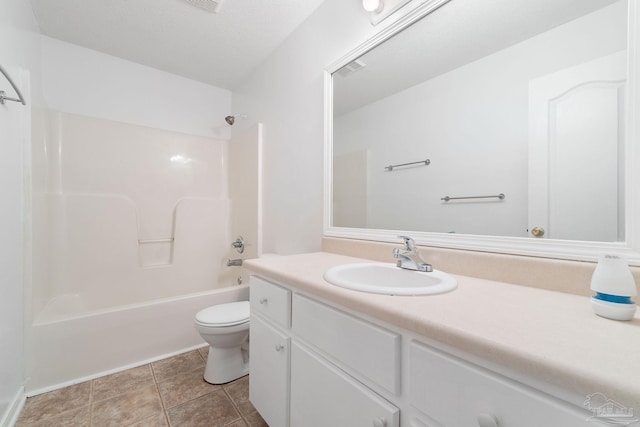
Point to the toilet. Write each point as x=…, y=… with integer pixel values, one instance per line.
x=225, y=327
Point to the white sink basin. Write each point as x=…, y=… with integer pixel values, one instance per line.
x=383, y=278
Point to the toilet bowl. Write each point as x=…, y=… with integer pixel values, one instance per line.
x=225, y=327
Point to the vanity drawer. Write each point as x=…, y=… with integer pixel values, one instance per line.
x=368, y=350
x=455, y=393
x=272, y=301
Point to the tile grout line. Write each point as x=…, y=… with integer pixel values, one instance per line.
x=155, y=381
x=233, y=402
x=224, y=389
x=91, y=400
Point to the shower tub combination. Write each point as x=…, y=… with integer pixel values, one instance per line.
x=131, y=232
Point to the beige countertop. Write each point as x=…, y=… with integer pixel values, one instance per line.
x=550, y=336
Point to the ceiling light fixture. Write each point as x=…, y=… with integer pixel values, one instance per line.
x=373, y=6
x=379, y=10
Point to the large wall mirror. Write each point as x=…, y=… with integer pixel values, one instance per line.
x=500, y=125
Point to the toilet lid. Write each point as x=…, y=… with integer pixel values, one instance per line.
x=233, y=313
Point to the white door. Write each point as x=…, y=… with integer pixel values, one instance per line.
x=576, y=142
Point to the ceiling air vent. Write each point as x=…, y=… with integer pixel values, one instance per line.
x=351, y=67
x=212, y=6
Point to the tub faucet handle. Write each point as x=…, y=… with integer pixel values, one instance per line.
x=238, y=244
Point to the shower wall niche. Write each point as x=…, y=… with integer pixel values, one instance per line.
x=124, y=214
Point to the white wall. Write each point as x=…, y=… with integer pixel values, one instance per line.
x=19, y=54
x=83, y=81
x=286, y=94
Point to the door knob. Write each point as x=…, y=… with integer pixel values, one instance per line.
x=537, y=231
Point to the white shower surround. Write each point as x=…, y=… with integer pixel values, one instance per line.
x=123, y=153
x=124, y=211
x=131, y=231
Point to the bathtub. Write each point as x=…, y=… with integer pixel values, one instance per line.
x=71, y=346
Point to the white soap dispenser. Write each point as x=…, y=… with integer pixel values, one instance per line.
x=614, y=286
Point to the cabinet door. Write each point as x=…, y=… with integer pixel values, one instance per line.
x=269, y=372
x=323, y=395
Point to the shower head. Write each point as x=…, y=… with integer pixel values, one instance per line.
x=232, y=119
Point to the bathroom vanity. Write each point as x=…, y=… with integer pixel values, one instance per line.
x=486, y=354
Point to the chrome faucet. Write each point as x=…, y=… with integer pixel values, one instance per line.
x=409, y=257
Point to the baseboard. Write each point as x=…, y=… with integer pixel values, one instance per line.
x=10, y=417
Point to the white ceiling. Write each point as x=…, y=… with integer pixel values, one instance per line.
x=173, y=35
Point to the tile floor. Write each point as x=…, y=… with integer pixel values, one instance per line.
x=169, y=392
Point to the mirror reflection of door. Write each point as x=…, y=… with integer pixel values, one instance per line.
x=574, y=113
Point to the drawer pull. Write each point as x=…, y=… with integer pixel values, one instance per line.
x=279, y=347
x=487, y=420
x=263, y=300
x=379, y=422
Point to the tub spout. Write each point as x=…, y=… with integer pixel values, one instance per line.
x=234, y=263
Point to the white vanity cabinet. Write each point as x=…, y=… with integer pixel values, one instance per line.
x=314, y=363
x=293, y=382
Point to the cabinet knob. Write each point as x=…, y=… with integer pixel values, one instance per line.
x=487, y=420
x=379, y=422
x=263, y=300
x=279, y=347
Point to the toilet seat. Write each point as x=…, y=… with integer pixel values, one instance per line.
x=230, y=314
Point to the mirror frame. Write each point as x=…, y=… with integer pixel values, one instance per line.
x=547, y=248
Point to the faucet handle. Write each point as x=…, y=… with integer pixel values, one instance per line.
x=238, y=244
x=409, y=244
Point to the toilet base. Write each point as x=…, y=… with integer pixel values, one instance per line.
x=225, y=365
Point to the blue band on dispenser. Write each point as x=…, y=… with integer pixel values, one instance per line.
x=613, y=298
